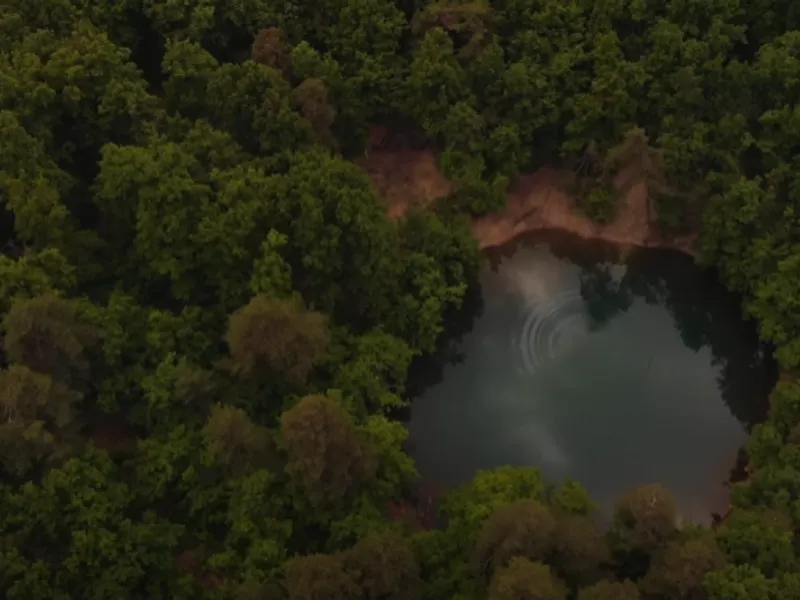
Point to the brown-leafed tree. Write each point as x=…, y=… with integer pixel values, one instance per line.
x=678, y=573
x=49, y=334
x=522, y=528
x=645, y=518
x=580, y=549
x=36, y=415
x=277, y=336
x=234, y=441
x=269, y=49
x=610, y=590
x=526, y=580
x=319, y=577
x=311, y=100
x=384, y=567
x=326, y=458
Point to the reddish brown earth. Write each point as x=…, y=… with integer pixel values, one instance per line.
x=538, y=201
x=406, y=177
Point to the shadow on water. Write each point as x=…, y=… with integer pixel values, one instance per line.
x=704, y=312
x=428, y=371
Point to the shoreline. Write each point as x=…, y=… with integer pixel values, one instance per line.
x=536, y=202
x=621, y=243
x=405, y=177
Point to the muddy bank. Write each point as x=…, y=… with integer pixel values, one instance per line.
x=405, y=177
x=411, y=177
x=537, y=201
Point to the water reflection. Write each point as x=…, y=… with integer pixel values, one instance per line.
x=704, y=312
x=592, y=367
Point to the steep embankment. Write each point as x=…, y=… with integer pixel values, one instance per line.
x=407, y=177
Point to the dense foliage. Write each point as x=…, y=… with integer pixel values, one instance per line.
x=208, y=320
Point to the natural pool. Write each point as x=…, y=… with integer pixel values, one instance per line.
x=612, y=370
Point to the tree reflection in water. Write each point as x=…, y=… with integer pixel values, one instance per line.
x=610, y=282
x=702, y=309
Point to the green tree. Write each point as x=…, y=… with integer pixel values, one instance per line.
x=32, y=187
x=310, y=98
x=272, y=275
x=338, y=240
x=174, y=390
x=258, y=531
x=436, y=81
x=366, y=40
x=189, y=69
x=151, y=196
x=34, y=274
x=77, y=92
x=394, y=469
x=739, y=583
x=571, y=498
x=252, y=102
x=475, y=501
x=94, y=548
x=375, y=372
x=608, y=108
x=220, y=25
x=785, y=406
x=760, y=539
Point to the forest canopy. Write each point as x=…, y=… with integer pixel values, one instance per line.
x=208, y=320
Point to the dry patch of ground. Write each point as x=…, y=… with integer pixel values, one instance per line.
x=405, y=178
x=411, y=177
x=537, y=201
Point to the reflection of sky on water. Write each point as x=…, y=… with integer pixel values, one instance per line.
x=611, y=397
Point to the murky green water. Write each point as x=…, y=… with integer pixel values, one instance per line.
x=615, y=372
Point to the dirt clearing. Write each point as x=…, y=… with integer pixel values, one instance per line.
x=405, y=178
x=411, y=177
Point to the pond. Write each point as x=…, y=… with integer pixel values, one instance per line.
x=609, y=369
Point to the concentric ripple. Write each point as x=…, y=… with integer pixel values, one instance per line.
x=558, y=331
x=589, y=379
x=551, y=329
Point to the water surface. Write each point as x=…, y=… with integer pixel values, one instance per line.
x=615, y=372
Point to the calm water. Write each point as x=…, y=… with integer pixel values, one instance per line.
x=615, y=372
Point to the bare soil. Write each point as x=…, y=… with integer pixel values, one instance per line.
x=410, y=177
x=405, y=177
